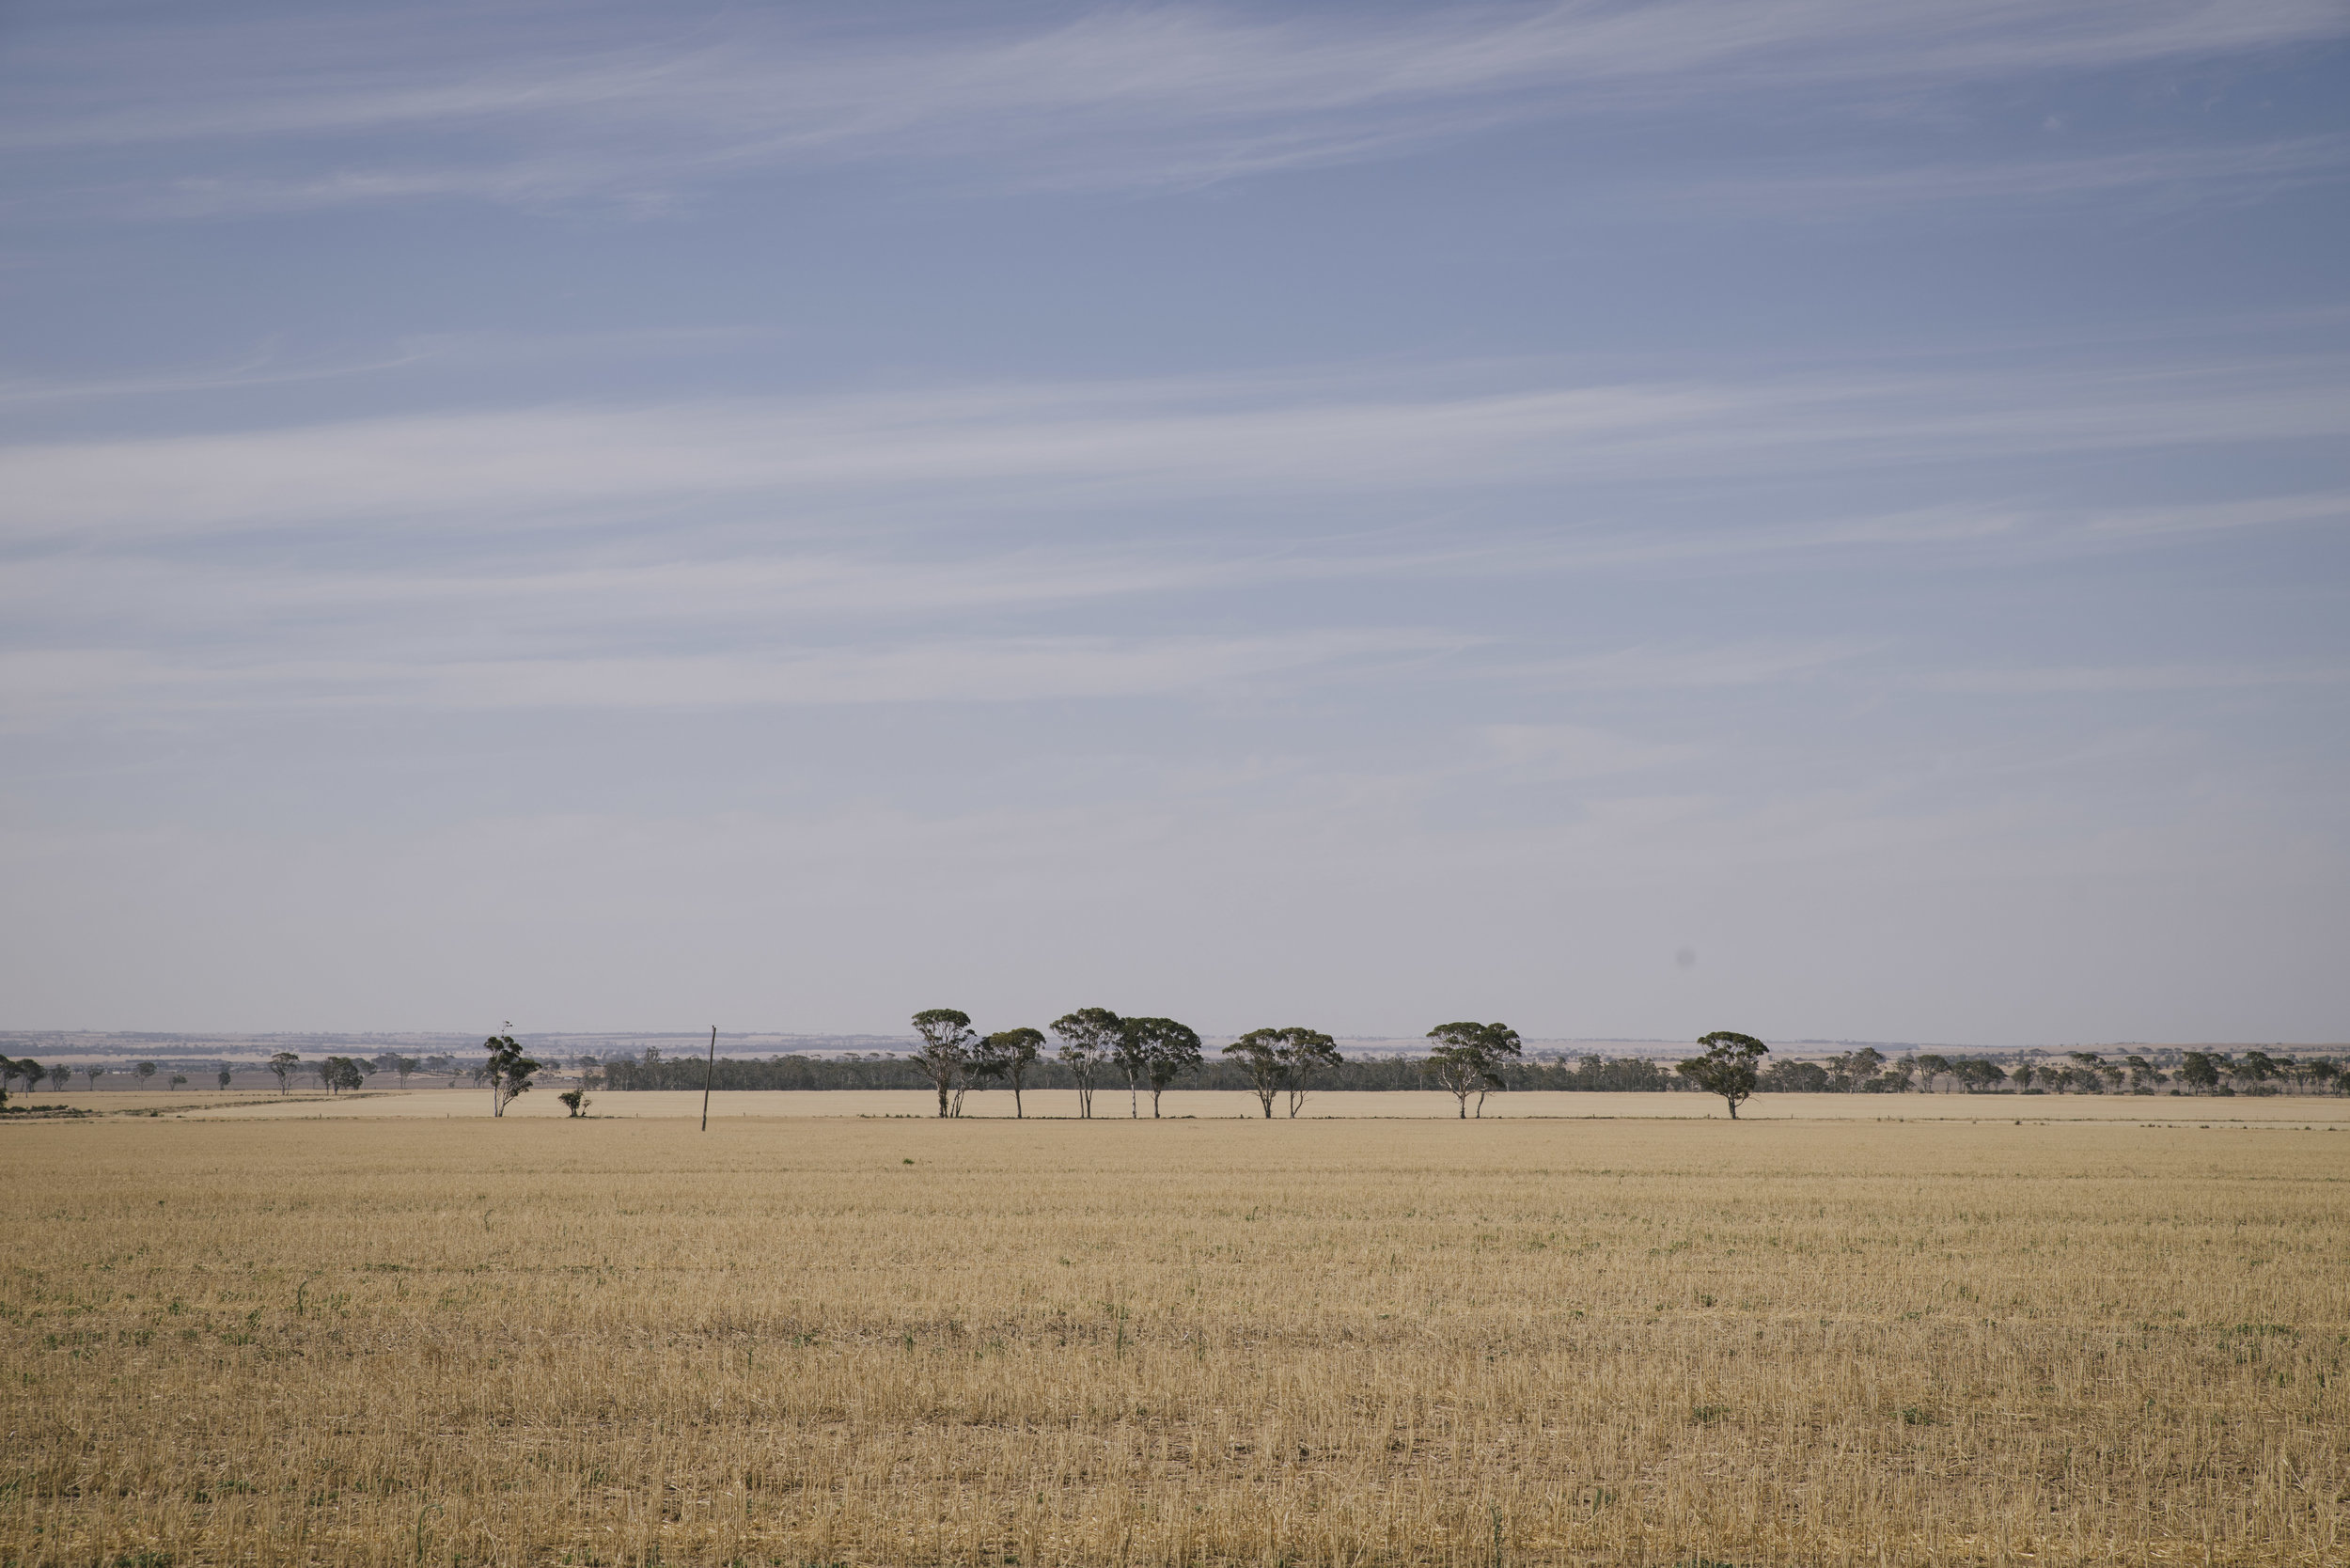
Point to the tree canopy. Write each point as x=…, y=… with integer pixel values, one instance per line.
x=1727, y=1068
x=508, y=1072
x=1008, y=1053
x=1467, y=1057
x=949, y=1043
x=1088, y=1040
x=1162, y=1049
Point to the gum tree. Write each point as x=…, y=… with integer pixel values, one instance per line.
x=507, y=1071
x=1308, y=1052
x=1162, y=1050
x=1088, y=1042
x=944, y=1059
x=1283, y=1061
x=1130, y=1051
x=1727, y=1068
x=283, y=1065
x=1260, y=1051
x=1467, y=1058
x=1008, y=1055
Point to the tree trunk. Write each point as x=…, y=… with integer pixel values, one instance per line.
x=1017, y=1114
x=942, y=1101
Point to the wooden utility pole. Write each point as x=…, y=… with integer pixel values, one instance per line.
x=708, y=1068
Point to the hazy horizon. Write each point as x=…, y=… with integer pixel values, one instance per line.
x=1632, y=520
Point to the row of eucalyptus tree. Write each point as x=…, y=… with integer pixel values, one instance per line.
x=1097, y=1046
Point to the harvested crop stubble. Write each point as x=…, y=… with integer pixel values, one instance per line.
x=1302, y=1343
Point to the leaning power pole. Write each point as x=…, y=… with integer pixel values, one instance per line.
x=708, y=1068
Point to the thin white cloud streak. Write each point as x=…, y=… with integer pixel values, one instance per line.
x=2245, y=173
x=2091, y=680
x=1062, y=447
x=588, y=593
x=82, y=682
x=43, y=685
x=1119, y=96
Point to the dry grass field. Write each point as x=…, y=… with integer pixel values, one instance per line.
x=456, y=1342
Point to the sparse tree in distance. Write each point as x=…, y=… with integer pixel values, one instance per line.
x=507, y=1071
x=1284, y=1061
x=62, y=1076
x=1978, y=1075
x=576, y=1100
x=338, y=1074
x=226, y=1075
x=179, y=1079
x=31, y=1072
x=1727, y=1068
x=2199, y=1070
x=1260, y=1051
x=1856, y=1071
x=1008, y=1054
x=1165, y=1050
x=1467, y=1059
x=2095, y=1074
x=1088, y=1040
x=283, y=1064
x=1128, y=1051
x=146, y=1070
x=94, y=1072
x=944, y=1059
x=1306, y=1052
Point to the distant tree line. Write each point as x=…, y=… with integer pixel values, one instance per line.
x=1255, y=1063
x=1869, y=1071
x=1093, y=1049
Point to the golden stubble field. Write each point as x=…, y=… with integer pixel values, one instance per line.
x=989, y=1342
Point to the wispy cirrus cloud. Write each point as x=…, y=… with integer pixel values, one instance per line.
x=93, y=681
x=358, y=112
x=1064, y=446
x=2244, y=173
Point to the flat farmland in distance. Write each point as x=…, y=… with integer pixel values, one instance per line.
x=2331, y=1111
x=817, y=1341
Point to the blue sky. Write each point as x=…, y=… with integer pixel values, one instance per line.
x=1813, y=517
